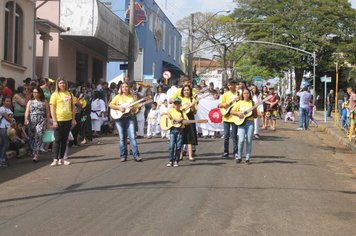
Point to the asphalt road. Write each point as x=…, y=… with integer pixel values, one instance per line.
x=299, y=183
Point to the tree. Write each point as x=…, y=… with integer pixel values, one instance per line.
x=323, y=26
x=211, y=30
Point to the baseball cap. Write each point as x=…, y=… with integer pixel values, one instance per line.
x=177, y=100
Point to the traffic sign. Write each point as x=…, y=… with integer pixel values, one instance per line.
x=166, y=74
x=325, y=79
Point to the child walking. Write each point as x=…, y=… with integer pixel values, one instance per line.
x=153, y=121
x=163, y=109
x=176, y=134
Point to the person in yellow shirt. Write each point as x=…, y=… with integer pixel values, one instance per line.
x=226, y=100
x=176, y=134
x=126, y=124
x=185, y=81
x=245, y=130
x=63, y=116
x=190, y=135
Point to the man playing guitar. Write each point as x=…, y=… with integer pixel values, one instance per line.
x=226, y=101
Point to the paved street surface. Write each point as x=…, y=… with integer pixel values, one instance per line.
x=299, y=183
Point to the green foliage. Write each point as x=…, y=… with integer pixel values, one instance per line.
x=323, y=26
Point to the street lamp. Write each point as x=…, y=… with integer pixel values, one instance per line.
x=190, y=39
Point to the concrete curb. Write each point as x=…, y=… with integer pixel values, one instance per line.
x=343, y=140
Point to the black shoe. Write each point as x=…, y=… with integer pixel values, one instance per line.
x=247, y=162
x=238, y=160
x=225, y=155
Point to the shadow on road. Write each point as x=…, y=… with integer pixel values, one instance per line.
x=73, y=189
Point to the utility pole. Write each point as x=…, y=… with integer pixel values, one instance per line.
x=190, y=41
x=131, y=62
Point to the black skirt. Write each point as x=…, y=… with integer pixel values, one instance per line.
x=190, y=135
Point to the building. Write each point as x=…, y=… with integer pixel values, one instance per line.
x=159, y=43
x=17, y=41
x=76, y=39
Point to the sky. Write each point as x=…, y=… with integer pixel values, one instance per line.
x=176, y=10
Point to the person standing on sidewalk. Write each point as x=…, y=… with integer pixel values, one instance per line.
x=330, y=99
x=6, y=120
x=304, y=98
x=63, y=116
x=37, y=118
x=352, y=104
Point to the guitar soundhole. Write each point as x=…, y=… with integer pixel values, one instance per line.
x=166, y=121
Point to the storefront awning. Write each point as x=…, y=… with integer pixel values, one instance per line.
x=92, y=24
x=176, y=71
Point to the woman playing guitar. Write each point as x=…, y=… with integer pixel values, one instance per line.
x=245, y=130
x=125, y=125
x=190, y=135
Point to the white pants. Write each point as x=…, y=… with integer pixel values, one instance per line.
x=165, y=133
x=207, y=132
x=152, y=129
x=256, y=126
x=289, y=116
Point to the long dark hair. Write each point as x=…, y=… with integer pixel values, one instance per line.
x=190, y=89
x=40, y=92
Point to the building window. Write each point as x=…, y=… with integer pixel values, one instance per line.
x=175, y=48
x=170, y=43
x=164, y=36
x=13, y=33
x=150, y=20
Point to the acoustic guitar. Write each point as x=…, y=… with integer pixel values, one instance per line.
x=226, y=111
x=167, y=123
x=238, y=120
x=117, y=114
x=186, y=109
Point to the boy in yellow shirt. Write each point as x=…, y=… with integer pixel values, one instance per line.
x=176, y=134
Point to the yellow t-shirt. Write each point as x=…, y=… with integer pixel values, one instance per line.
x=226, y=98
x=63, y=103
x=178, y=93
x=186, y=101
x=177, y=115
x=123, y=100
x=242, y=106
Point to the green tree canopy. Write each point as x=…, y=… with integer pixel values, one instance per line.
x=323, y=26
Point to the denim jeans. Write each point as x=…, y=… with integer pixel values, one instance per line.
x=245, y=132
x=126, y=127
x=227, y=126
x=329, y=110
x=303, y=117
x=4, y=144
x=175, y=144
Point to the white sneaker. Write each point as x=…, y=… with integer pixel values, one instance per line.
x=300, y=128
x=169, y=164
x=63, y=162
x=175, y=164
x=66, y=163
x=54, y=163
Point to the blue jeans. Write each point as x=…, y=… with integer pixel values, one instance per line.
x=175, y=144
x=329, y=110
x=227, y=126
x=245, y=132
x=344, y=118
x=304, y=117
x=4, y=144
x=126, y=127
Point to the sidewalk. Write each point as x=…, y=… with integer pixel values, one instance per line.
x=336, y=132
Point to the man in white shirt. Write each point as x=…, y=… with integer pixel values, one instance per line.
x=172, y=90
x=304, y=98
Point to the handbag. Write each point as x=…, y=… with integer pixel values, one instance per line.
x=48, y=136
